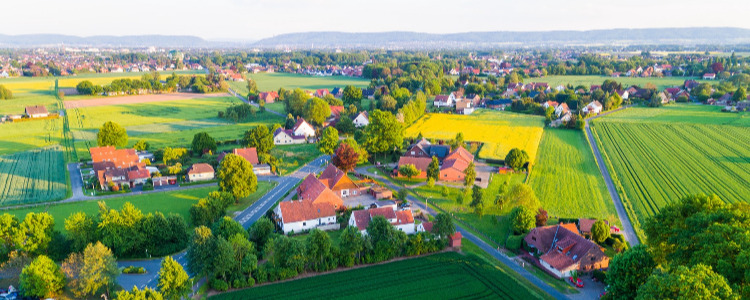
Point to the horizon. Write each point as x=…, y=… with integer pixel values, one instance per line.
x=251, y=21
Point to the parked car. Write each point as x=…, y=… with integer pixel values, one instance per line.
x=576, y=281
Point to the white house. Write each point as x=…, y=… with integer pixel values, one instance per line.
x=36, y=111
x=403, y=220
x=560, y=88
x=442, y=101
x=594, y=108
x=301, y=215
x=561, y=109
x=302, y=128
x=362, y=120
x=200, y=172
x=286, y=137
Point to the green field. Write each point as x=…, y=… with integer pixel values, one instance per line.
x=449, y=275
x=681, y=113
x=656, y=162
x=177, y=202
x=294, y=156
x=499, y=131
x=567, y=180
x=33, y=176
x=588, y=80
x=274, y=81
x=22, y=136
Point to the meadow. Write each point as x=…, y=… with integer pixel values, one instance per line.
x=22, y=136
x=294, y=156
x=449, y=274
x=681, y=113
x=499, y=131
x=177, y=202
x=656, y=163
x=567, y=180
x=274, y=81
x=33, y=176
x=588, y=80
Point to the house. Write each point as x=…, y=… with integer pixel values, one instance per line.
x=584, y=225
x=268, y=97
x=200, y=172
x=421, y=163
x=337, y=92
x=249, y=154
x=690, y=84
x=425, y=227
x=337, y=181
x=320, y=93
x=37, y=111
x=362, y=119
x=118, y=167
x=498, y=104
x=302, y=128
x=442, y=101
x=287, y=137
x=743, y=105
x=368, y=93
x=298, y=216
x=455, y=241
x=313, y=190
x=403, y=220
x=709, y=76
x=380, y=192
x=563, y=251
x=424, y=148
x=464, y=106
x=623, y=94
x=455, y=165
x=594, y=108
x=549, y=104
x=562, y=109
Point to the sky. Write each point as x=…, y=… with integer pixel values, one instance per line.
x=241, y=20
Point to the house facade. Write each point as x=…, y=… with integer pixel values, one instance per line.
x=594, y=108
x=302, y=128
x=362, y=120
x=338, y=182
x=403, y=220
x=287, y=137
x=298, y=216
x=200, y=172
x=36, y=111
x=118, y=166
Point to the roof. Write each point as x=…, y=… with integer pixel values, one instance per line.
x=404, y=217
x=312, y=189
x=427, y=226
x=138, y=173
x=564, y=248
x=420, y=162
x=336, y=110
x=200, y=169
x=36, y=109
x=249, y=154
x=336, y=179
x=363, y=217
x=298, y=211
x=121, y=158
x=461, y=154
x=288, y=132
x=571, y=226
x=585, y=224
x=441, y=98
x=299, y=123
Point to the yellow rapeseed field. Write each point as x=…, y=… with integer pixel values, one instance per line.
x=499, y=131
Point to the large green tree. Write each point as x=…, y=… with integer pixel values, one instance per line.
x=470, y=175
x=42, y=278
x=202, y=143
x=433, y=169
x=599, y=231
x=200, y=251
x=696, y=282
x=92, y=272
x=351, y=95
x=112, y=134
x=236, y=176
x=319, y=247
x=522, y=219
x=384, y=133
x=317, y=111
x=628, y=271
x=259, y=137
x=81, y=230
x=138, y=294
x=443, y=225
x=408, y=170
x=328, y=140
x=34, y=234
x=295, y=102
x=516, y=158
x=351, y=245
x=522, y=194
x=740, y=94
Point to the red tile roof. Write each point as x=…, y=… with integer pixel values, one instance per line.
x=249, y=154
x=420, y=162
x=312, y=189
x=427, y=226
x=121, y=158
x=363, y=217
x=297, y=211
x=200, y=169
x=336, y=179
x=36, y=109
x=564, y=248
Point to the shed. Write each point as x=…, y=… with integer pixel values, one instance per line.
x=456, y=239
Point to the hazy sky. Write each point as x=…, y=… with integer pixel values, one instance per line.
x=256, y=19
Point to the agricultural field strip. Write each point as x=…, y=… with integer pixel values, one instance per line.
x=129, y=100
x=32, y=176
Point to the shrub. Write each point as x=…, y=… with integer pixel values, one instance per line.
x=514, y=242
x=600, y=276
x=219, y=285
x=238, y=283
x=133, y=270
x=250, y=282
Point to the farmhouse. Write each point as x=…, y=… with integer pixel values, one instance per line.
x=464, y=106
x=36, y=111
x=403, y=220
x=424, y=148
x=564, y=251
x=549, y=104
x=594, y=108
x=118, y=167
x=298, y=216
x=200, y=172
x=442, y=101
x=498, y=104
x=313, y=190
x=455, y=165
x=562, y=109
x=302, y=128
x=362, y=119
x=251, y=155
x=268, y=97
x=421, y=163
x=287, y=137
x=338, y=182
x=452, y=166
x=709, y=76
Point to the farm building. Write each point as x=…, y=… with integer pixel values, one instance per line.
x=455, y=165
x=403, y=220
x=287, y=137
x=313, y=190
x=362, y=119
x=36, y=111
x=268, y=97
x=118, y=167
x=301, y=215
x=302, y=128
x=251, y=155
x=564, y=251
x=594, y=108
x=380, y=192
x=456, y=240
x=338, y=182
x=200, y=172
x=452, y=166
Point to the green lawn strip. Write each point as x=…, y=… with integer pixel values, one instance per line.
x=292, y=157
x=274, y=81
x=588, y=80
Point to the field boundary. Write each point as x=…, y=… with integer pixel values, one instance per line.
x=125, y=100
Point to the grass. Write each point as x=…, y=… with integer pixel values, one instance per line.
x=567, y=180
x=294, y=156
x=177, y=202
x=499, y=131
x=22, y=136
x=655, y=163
x=32, y=176
x=681, y=113
x=274, y=81
x=449, y=274
x=588, y=80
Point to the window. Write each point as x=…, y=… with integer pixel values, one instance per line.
x=304, y=223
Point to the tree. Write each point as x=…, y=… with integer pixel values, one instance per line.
x=384, y=133
x=522, y=219
x=200, y=252
x=5, y=93
x=92, y=271
x=35, y=233
x=443, y=225
x=363, y=156
x=541, y=217
x=81, y=230
x=471, y=175
x=387, y=103
x=328, y=140
x=696, y=282
x=261, y=138
x=628, y=271
x=112, y=134
x=599, y=231
x=319, y=250
x=345, y=125
x=136, y=294
x=141, y=145
x=295, y=102
x=458, y=141
x=345, y=158
x=87, y=88
x=351, y=244
x=739, y=95
x=236, y=176
x=408, y=170
x=171, y=154
x=351, y=95
x=290, y=121
x=317, y=111
x=8, y=228
x=202, y=143
x=42, y=278
x=227, y=227
x=476, y=196
x=261, y=231
x=433, y=169
x=516, y=158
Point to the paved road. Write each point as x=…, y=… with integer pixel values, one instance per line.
x=244, y=99
x=247, y=217
x=627, y=228
x=479, y=242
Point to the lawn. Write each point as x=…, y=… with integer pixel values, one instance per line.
x=656, y=163
x=177, y=202
x=33, y=176
x=274, y=81
x=681, y=113
x=567, y=180
x=294, y=156
x=22, y=136
x=450, y=275
x=499, y=131
x=588, y=80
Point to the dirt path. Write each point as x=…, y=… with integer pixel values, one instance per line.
x=137, y=99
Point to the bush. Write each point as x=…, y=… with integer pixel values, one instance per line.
x=238, y=283
x=219, y=285
x=133, y=270
x=600, y=276
x=250, y=282
x=514, y=242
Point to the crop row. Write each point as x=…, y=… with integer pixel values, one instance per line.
x=32, y=176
